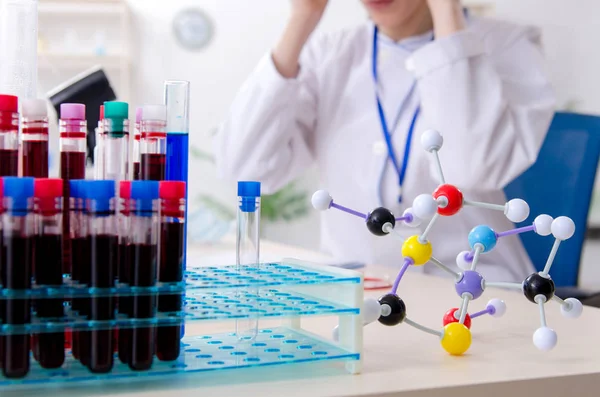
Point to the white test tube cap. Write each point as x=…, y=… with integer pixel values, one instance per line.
x=34, y=109
x=154, y=112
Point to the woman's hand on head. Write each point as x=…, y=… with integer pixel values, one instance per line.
x=448, y=16
x=309, y=9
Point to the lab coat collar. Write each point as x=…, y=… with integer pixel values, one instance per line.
x=410, y=44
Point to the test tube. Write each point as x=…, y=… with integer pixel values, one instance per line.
x=99, y=148
x=80, y=253
x=9, y=135
x=172, y=231
x=116, y=141
x=34, y=138
x=73, y=146
x=248, y=249
x=124, y=304
x=177, y=99
x=48, y=267
x=18, y=46
x=154, y=143
x=104, y=257
x=18, y=228
x=144, y=261
x=2, y=304
x=137, y=136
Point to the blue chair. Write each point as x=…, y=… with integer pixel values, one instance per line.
x=561, y=182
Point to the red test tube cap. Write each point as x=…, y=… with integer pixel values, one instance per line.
x=125, y=189
x=172, y=190
x=101, y=112
x=48, y=188
x=9, y=103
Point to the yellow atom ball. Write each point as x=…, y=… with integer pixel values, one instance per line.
x=420, y=253
x=457, y=339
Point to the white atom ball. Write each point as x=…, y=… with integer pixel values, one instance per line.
x=432, y=140
x=335, y=334
x=499, y=307
x=543, y=225
x=462, y=262
x=415, y=222
x=321, y=200
x=425, y=206
x=563, y=228
x=372, y=310
x=545, y=338
x=517, y=210
x=572, y=308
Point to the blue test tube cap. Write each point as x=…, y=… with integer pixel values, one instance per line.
x=76, y=188
x=20, y=190
x=101, y=192
x=144, y=193
x=248, y=192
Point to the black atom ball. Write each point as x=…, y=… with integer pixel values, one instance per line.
x=398, y=310
x=535, y=285
x=379, y=217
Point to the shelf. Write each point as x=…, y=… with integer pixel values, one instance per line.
x=70, y=61
x=271, y=347
x=205, y=278
x=88, y=8
x=199, y=307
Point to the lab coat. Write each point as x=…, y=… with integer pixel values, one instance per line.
x=485, y=89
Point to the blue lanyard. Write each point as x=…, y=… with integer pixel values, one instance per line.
x=384, y=125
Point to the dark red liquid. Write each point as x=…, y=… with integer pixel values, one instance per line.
x=81, y=258
x=35, y=159
x=171, y=270
x=153, y=167
x=9, y=162
x=143, y=274
x=72, y=166
x=48, y=272
x=104, y=256
x=16, y=274
x=136, y=171
x=124, y=303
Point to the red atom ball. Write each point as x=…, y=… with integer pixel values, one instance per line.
x=449, y=318
x=454, y=196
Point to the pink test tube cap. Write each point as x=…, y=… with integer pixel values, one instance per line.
x=125, y=189
x=72, y=111
x=9, y=103
x=138, y=114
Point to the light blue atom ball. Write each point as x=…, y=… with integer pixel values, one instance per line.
x=483, y=235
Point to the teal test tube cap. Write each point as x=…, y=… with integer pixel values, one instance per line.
x=118, y=112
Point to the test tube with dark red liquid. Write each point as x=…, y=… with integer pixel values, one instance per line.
x=73, y=146
x=80, y=254
x=2, y=303
x=144, y=262
x=172, y=229
x=104, y=257
x=48, y=267
x=154, y=143
x=137, y=134
x=34, y=138
x=9, y=135
x=18, y=228
x=124, y=306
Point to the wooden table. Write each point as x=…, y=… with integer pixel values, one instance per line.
x=401, y=361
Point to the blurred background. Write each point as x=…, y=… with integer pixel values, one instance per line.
x=216, y=43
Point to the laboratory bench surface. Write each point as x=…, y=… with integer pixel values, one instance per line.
x=401, y=361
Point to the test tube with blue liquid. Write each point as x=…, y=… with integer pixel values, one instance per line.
x=248, y=252
x=177, y=100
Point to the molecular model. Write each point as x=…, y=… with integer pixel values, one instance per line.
x=447, y=200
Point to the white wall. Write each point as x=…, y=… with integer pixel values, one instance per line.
x=245, y=31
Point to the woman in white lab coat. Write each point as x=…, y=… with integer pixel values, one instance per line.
x=312, y=100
